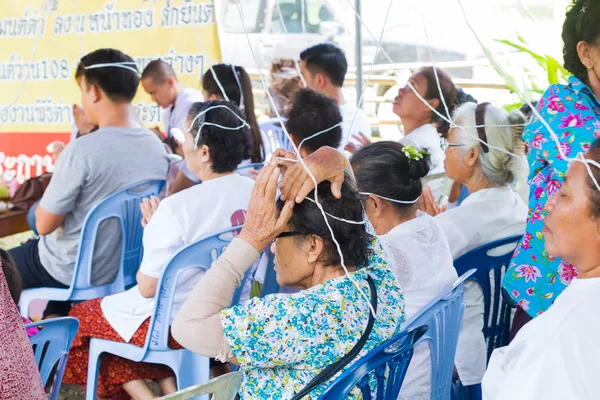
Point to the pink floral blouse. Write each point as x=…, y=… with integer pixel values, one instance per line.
x=535, y=278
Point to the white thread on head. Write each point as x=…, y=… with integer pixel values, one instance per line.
x=317, y=134
x=236, y=75
x=204, y=123
x=392, y=200
x=298, y=70
x=123, y=65
x=348, y=221
x=310, y=174
x=214, y=74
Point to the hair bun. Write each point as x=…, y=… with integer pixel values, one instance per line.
x=418, y=169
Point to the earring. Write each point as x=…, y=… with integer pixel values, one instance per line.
x=590, y=68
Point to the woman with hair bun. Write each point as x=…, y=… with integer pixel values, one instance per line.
x=388, y=175
x=479, y=159
x=536, y=277
x=423, y=127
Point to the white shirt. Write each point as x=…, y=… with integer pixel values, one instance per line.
x=418, y=254
x=426, y=137
x=352, y=126
x=555, y=356
x=176, y=116
x=484, y=216
x=180, y=220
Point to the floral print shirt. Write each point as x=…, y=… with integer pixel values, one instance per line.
x=283, y=341
x=535, y=278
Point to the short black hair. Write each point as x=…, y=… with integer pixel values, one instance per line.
x=12, y=275
x=353, y=238
x=158, y=71
x=314, y=112
x=228, y=148
x=119, y=84
x=580, y=24
x=383, y=169
x=326, y=58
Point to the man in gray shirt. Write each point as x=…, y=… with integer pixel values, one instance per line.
x=119, y=154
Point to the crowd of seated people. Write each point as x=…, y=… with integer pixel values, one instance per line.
x=360, y=241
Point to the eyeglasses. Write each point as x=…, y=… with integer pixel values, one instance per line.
x=287, y=234
x=445, y=145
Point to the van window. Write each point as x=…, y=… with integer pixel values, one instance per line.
x=253, y=11
x=315, y=12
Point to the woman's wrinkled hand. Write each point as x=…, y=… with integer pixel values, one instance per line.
x=326, y=164
x=428, y=204
x=263, y=221
x=148, y=208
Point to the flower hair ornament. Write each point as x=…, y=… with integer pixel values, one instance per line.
x=412, y=153
x=201, y=118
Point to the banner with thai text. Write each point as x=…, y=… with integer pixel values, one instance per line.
x=42, y=42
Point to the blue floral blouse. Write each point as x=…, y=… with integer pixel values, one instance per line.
x=283, y=341
x=535, y=278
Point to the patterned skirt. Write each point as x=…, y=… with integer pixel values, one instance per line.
x=114, y=370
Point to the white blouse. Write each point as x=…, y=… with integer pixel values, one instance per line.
x=484, y=216
x=555, y=356
x=418, y=254
x=426, y=137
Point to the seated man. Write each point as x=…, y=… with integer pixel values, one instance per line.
x=312, y=113
x=119, y=154
x=324, y=68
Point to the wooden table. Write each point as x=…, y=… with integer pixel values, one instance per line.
x=13, y=222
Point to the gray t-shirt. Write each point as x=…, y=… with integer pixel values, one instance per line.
x=90, y=169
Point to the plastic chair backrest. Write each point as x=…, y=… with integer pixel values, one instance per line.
x=125, y=206
x=496, y=329
x=200, y=254
x=387, y=363
x=51, y=346
x=225, y=387
x=443, y=316
x=243, y=168
x=274, y=137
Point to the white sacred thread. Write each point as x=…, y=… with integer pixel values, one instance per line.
x=348, y=221
x=312, y=177
x=204, y=123
x=317, y=134
x=123, y=65
x=392, y=200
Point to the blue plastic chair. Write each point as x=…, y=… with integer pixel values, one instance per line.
x=189, y=368
x=390, y=358
x=274, y=137
x=443, y=316
x=244, y=168
x=496, y=329
x=125, y=206
x=51, y=346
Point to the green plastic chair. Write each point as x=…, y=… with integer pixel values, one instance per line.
x=225, y=387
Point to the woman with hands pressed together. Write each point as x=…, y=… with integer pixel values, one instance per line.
x=282, y=342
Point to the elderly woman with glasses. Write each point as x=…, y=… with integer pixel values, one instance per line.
x=282, y=342
x=477, y=156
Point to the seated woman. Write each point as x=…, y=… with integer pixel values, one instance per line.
x=492, y=211
x=389, y=175
x=283, y=341
x=422, y=127
x=19, y=376
x=212, y=153
x=556, y=356
x=237, y=87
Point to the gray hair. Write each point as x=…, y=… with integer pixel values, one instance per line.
x=499, y=167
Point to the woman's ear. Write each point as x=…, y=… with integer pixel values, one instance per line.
x=434, y=103
x=471, y=156
x=316, y=245
x=204, y=153
x=585, y=54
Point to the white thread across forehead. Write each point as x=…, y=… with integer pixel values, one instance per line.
x=203, y=123
x=310, y=174
x=123, y=65
x=392, y=200
x=236, y=75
